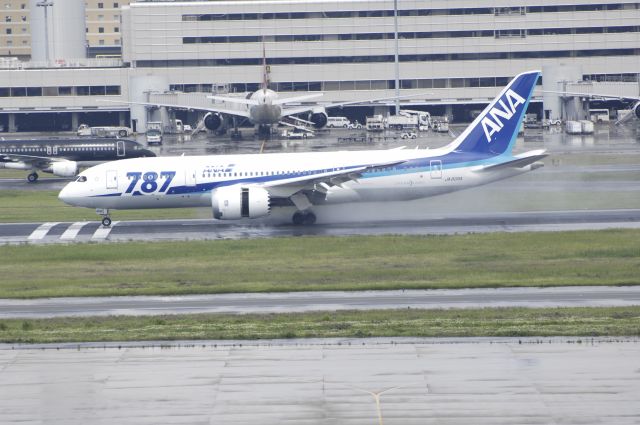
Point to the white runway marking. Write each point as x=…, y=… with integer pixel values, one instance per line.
x=41, y=231
x=103, y=232
x=73, y=230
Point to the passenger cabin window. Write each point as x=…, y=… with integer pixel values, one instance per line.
x=81, y=179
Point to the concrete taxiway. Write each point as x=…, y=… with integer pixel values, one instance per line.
x=158, y=230
x=575, y=296
x=327, y=382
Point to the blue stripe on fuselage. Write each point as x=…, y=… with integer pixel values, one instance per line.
x=451, y=160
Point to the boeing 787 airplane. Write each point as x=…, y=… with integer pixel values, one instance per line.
x=249, y=186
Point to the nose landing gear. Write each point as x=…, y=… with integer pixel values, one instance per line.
x=106, y=220
x=306, y=218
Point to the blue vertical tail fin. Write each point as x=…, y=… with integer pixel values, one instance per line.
x=495, y=130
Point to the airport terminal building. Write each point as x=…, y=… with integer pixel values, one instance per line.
x=456, y=54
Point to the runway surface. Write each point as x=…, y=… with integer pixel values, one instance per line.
x=158, y=230
x=326, y=382
x=321, y=301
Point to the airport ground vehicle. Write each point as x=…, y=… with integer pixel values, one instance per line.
x=440, y=124
x=108, y=131
x=296, y=133
x=154, y=137
x=248, y=186
x=573, y=127
x=399, y=122
x=599, y=115
x=408, y=135
x=375, y=123
x=548, y=122
x=531, y=121
x=408, y=119
x=338, y=122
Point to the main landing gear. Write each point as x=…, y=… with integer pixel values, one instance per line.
x=305, y=218
x=106, y=220
x=33, y=177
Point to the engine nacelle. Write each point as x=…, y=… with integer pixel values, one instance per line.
x=213, y=121
x=236, y=202
x=64, y=168
x=318, y=117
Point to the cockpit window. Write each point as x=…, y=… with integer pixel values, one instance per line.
x=81, y=179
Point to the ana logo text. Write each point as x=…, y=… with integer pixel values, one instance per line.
x=491, y=123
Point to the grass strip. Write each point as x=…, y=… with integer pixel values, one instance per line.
x=26, y=206
x=609, y=257
x=503, y=322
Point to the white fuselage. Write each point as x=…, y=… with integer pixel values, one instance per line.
x=265, y=112
x=166, y=182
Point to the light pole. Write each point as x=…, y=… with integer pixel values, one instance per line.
x=45, y=4
x=397, y=64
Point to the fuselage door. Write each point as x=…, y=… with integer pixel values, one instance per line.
x=436, y=169
x=48, y=149
x=190, y=175
x=120, y=148
x=55, y=150
x=112, y=179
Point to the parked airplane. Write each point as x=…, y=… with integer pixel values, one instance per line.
x=64, y=157
x=248, y=186
x=263, y=108
x=634, y=111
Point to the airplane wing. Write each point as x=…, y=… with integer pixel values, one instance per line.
x=236, y=100
x=307, y=108
x=635, y=108
x=585, y=94
x=236, y=112
x=36, y=161
x=321, y=181
x=282, y=101
x=286, y=100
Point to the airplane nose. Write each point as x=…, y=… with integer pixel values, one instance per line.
x=65, y=194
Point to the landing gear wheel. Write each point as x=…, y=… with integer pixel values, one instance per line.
x=106, y=221
x=306, y=218
x=32, y=178
x=309, y=218
x=298, y=218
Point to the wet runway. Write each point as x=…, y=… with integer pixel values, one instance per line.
x=327, y=382
x=577, y=296
x=588, y=182
x=209, y=229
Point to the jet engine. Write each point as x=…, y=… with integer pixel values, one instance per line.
x=318, y=117
x=64, y=168
x=236, y=202
x=213, y=121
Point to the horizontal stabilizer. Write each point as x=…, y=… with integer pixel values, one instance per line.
x=517, y=162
